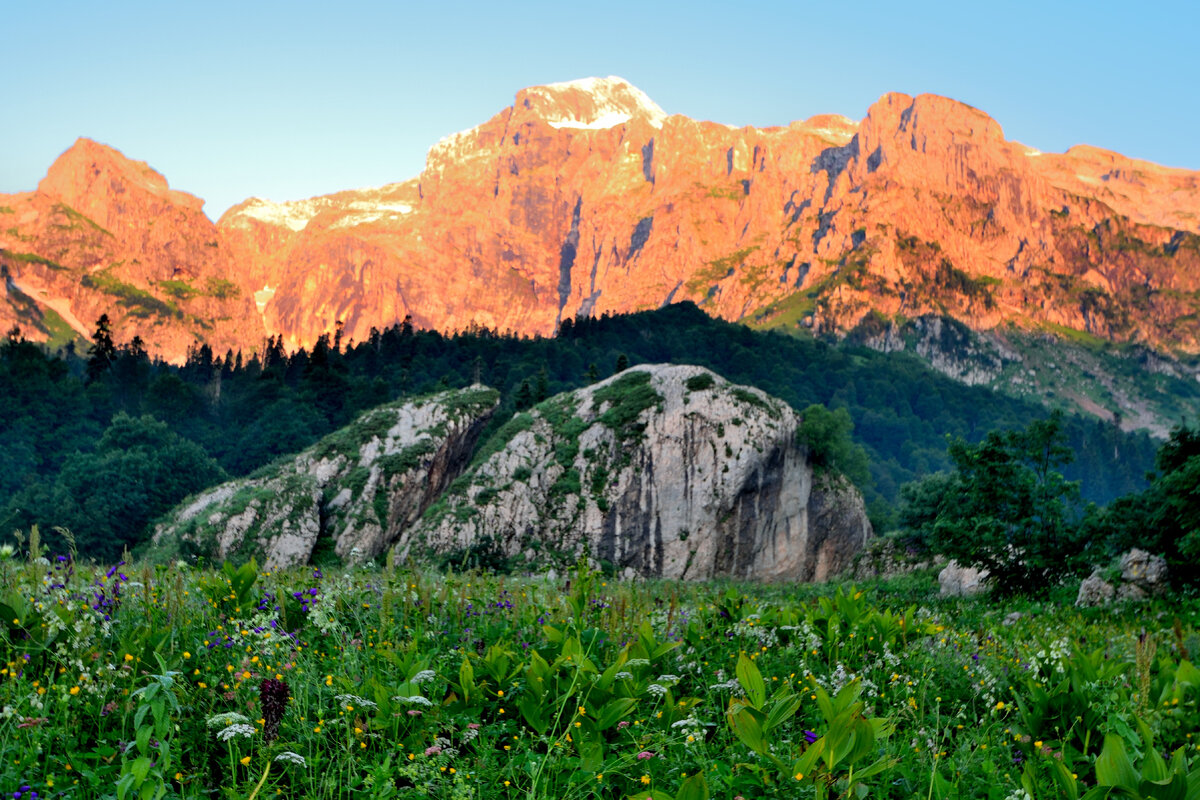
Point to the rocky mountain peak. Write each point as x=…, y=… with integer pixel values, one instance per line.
x=590, y=103
x=89, y=176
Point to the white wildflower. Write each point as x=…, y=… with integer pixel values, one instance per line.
x=354, y=700
x=226, y=719
x=236, y=730
x=288, y=757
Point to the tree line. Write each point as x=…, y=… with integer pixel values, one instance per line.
x=88, y=437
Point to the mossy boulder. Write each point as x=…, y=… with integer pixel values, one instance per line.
x=352, y=493
x=660, y=471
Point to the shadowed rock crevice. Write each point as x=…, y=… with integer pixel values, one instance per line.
x=566, y=258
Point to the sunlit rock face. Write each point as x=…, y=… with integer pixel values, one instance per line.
x=585, y=197
x=106, y=235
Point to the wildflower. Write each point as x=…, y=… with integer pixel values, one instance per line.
x=288, y=757
x=226, y=719
x=350, y=699
x=246, y=761
x=238, y=729
x=273, y=697
x=645, y=779
x=642, y=756
x=433, y=751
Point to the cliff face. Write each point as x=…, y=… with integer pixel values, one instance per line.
x=585, y=198
x=105, y=235
x=353, y=492
x=662, y=471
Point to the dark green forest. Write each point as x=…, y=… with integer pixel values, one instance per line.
x=103, y=442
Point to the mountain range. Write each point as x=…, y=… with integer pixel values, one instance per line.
x=585, y=198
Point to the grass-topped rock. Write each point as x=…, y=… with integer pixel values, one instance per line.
x=663, y=470
x=350, y=495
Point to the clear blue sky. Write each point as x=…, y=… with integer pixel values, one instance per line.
x=292, y=99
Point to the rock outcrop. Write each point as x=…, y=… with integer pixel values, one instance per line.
x=585, y=197
x=355, y=491
x=1138, y=575
x=957, y=580
x=660, y=471
x=105, y=235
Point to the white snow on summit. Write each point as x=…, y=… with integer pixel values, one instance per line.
x=616, y=102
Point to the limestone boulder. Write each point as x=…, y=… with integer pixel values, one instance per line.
x=1147, y=572
x=1095, y=591
x=1141, y=575
x=957, y=580
x=352, y=493
x=660, y=471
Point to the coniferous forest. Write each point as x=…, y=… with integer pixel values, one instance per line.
x=102, y=440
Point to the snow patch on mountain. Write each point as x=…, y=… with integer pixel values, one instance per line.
x=363, y=212
x=294, y=215
x=613, y=101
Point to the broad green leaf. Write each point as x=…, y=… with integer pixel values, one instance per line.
x=663, y=648
x=874, y=769
x=863, y=741
x=532, y=709
x=142, y=737
x=781, y=711
x=1174, y=789
x=805, y=764
x=124, y=785
x=747, y=729
x=466, y=679
x=693, y=788
x=1068, y=786
x=140, y=768
x=653, y=794
x=824, y=704
x=591, y=755
x=613, y=712
x=1153, y=767
x=1113, y=767
x=610, y=674
x=752, y=681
